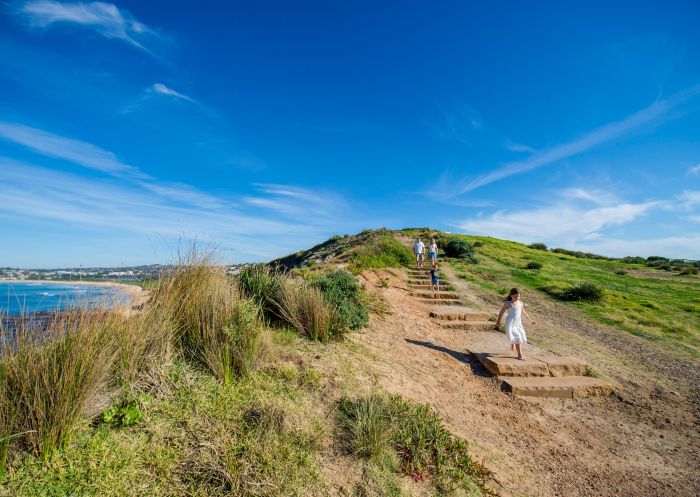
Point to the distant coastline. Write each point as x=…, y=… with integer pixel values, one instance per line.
x=135, y=294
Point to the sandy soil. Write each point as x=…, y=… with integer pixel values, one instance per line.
x=642, y=441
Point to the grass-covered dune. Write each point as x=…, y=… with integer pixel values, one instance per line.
x=633, y=294
x=207, y=391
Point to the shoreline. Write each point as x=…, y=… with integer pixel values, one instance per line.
x=135, y=293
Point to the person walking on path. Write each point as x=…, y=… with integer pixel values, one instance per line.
x=419, y=250
x=435, y=277
x=433, y=251
x=514, y=325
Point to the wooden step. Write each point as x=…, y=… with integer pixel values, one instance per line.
x=562, y=387
x=466, y=325
x=435, y=295
x=450, y=315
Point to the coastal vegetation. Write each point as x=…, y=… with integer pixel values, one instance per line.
x=204, y=391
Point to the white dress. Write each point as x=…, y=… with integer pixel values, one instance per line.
x=514, y=325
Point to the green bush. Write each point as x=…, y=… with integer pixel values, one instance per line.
x=460, y=249
x=538, y=246
x=533, y=265
x=584, y=292
x=689, y=270
x=340, y=289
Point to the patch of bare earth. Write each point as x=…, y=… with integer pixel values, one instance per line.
x=642, y=441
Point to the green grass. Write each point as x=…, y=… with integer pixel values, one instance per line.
x=663, y=309
x=381, y=251
x=206, y=438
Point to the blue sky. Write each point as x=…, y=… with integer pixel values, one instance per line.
x=266, y=127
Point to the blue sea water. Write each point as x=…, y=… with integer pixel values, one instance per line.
x=29, y=297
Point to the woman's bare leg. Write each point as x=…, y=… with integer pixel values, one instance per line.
x=520, y=354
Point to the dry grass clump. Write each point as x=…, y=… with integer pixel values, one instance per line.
x=210, y=321
x=303, y=307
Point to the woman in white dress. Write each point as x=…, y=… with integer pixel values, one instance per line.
x=514, y=325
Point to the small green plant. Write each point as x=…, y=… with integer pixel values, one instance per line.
x=583, y=292
x=538, y=246
x=126, y=413
x=533, y=265
x=689, y=270
x=620, y=272
x=384, y=283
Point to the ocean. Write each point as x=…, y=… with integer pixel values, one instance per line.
x=30, y=297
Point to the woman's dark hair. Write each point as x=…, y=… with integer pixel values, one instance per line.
x=513, y=291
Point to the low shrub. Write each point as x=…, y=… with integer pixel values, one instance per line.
x=585, y=292
x=538, y=246
x=620, y=272
x=460, y=249
x=689, y=270
x=344, y=294
x=376, y=424
x=533, y=265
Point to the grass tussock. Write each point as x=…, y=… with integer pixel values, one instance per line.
x=378, y=427
x=304, y=308
x=52, y=374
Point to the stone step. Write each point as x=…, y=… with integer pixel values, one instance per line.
x=563, y=387
x=436, y=295
x=466, y=325
x=427, y=281
x=442, y=288
x=493, y=351
x=441, y=301
x=450, y=315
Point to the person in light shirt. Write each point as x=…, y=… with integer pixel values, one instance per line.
x=419, y=250
x=433, y=251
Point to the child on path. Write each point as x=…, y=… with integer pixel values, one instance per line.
x=514, y=326
x=433, y=250
x=435, y=277
x=419, y=249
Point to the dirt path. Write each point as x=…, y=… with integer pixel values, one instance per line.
x=641, y=442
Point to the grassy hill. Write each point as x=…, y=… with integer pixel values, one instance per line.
x=655, y=304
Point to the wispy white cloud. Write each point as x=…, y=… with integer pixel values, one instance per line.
x=52, y=145
x=695, y=170
x=105, y=18
x=293, y=201
x=652, y=115
x=96, y=158
x=677, y=247
x=32, y=192
x=688, y=199
x=162, y=89
x=565, y=224
x=518, y=147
